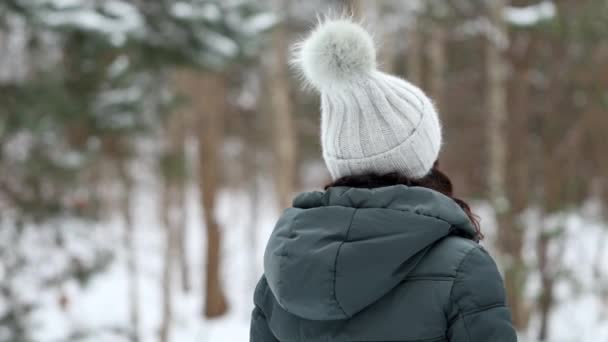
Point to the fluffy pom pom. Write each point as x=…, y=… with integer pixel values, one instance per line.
x=338, y=50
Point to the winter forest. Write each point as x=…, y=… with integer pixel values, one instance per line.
x=147, y=148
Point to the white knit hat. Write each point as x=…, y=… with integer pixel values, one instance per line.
x=371, y=122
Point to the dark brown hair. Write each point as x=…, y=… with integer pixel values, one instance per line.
x=435, y=180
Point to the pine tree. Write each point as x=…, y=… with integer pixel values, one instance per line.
x=82, y=93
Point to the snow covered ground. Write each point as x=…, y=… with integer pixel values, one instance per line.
x=102, y=306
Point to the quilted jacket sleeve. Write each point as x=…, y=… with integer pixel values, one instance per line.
x=479, y=310
x=259, y=328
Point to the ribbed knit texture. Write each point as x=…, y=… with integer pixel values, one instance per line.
x=371, y=122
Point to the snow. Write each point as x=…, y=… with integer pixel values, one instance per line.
x=60, y=4
x=517, y=16
x=207, y=11
x=220, y=43
x=258, y=23
x=579, y=314
x=13, y=66
x=130, y=17
x=18, y=147
x=120, y=96
x=119, y=66
x=530, y=15
x=101, y=307
x=483, y=26
x=120, y=20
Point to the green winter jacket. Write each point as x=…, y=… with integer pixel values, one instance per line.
x=384, y=264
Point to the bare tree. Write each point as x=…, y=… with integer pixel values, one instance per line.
x=207, y=96
x=282, y=114
x=249, y=128
x=383, y=12
x=177, y=149
x=496, y=107
x=210, y=134
x=169, y=256
x=414, y=59
x=173, y=169
x=182, y=237
x=549, y=267
x=437, y=62
x=173, y=166
x=510, y=234
x=132, y=268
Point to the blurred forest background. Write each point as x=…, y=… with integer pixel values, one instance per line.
x=146, y=147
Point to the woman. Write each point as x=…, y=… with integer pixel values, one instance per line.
x=386, y=253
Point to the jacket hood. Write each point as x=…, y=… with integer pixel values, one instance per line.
x=336, y=252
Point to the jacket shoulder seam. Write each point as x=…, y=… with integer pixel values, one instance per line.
x=460, y=263
x=466, y=328
x=260, y=296
x=418, y=213
x=484, y=308
x=352, y=218
x=430, y=278
x=462, y=314
x=456, y=276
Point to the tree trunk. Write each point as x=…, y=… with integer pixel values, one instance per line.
x=437, y=63
x=497, y=110
x=250, y=164
x=284, y=130
x=169, y=255
x=354, y=8
x=177, y=148
x=252, y=232
x=414, y=60
x=177, y=130
x=132, y=269
x=182, y=237
x=387, y=47
x=510, y=233
x=549, y=266
x=547, y=281
x=210, y=131
x=538, y=193
x=173, y=216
